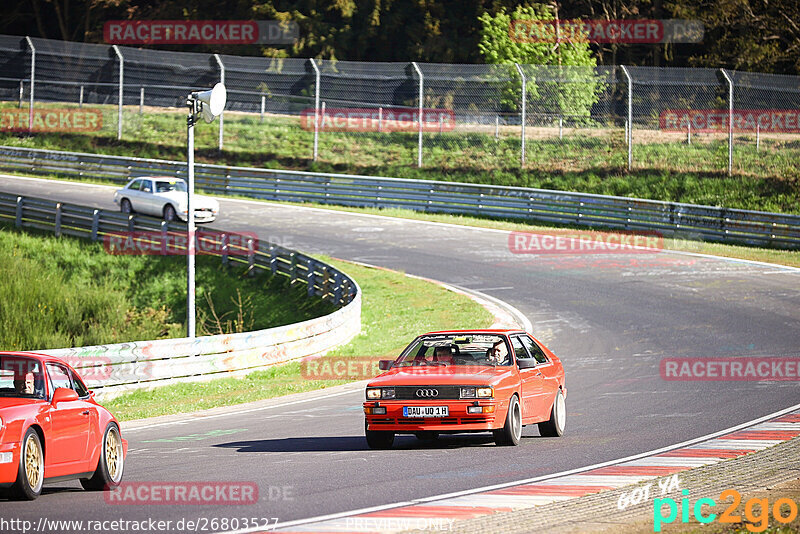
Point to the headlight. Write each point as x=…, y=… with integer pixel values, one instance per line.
x=380, y=393
x=477, y=392
x=485, y=392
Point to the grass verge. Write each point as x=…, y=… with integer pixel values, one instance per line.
x=665, y=168
x=395, y=309
x=68, y=292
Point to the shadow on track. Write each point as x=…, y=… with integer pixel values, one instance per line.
x=358, y=443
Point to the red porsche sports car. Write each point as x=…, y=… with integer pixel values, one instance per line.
x=467, y=381
x=52, y=429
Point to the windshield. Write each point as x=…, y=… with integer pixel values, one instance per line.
x=165, y=186
x=21, y=377
x=456, y=349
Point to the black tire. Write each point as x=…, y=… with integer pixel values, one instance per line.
x=511, y=432
x=111, y=463
x=30, y=475
x=427, y=435
x=554, y=427
x=169, y=213
x=125, y=206
x=378, y=439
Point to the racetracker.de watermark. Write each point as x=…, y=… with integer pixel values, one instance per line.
x=585, y=242
x=365, y=367
x=188, y=493
x=636, y=31
x=731, y=368
x=378, y=119
x=101, y=369
x=129, y=32
x=340, y=368
x=51, y=120
x=175, y=243
x=717, y=120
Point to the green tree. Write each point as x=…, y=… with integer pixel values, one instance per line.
x=560, y=70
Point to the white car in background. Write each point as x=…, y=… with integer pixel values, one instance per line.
x=165, y=197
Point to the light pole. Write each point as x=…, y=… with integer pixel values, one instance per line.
x=210, y=104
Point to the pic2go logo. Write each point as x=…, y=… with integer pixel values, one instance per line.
x=758, y=521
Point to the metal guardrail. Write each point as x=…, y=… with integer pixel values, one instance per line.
x=561, y=207
x=119, y=367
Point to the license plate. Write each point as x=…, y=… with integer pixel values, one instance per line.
x=425, y=411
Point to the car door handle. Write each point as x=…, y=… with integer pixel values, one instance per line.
x=85, y=413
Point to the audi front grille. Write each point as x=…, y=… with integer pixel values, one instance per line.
x=427, y=392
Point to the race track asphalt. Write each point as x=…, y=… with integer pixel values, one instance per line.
x=611, y=318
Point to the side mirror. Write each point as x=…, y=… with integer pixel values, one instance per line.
x=64, y=395
x=527, y=363
x=385, y=365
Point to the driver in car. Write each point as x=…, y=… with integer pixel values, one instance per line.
x=25, y=386
x=498, y=354
x=444, y=354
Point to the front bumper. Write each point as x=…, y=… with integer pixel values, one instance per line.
x=200, y=216
x=9, y=470
x=457, y=420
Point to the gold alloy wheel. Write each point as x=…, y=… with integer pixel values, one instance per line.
x=113, y=454
x=33, y=463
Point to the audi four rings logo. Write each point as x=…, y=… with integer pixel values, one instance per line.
x=427, y=393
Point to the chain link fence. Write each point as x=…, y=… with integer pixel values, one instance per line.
x=486, y=118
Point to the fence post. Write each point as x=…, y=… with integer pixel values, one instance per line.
x=316, y=107
x=263, y=105
x=629, y=136
x=380, y=118
x=419, y=104
x=730, y=121
x=497, y=128
x=57, y=228
x=560, y=127
x=21, y=93
x=33, y=81
x=689, y=132
x=224, y=249
x=221, y=115
x=758, y=137
x=95, y=224
x=310, y=277
x=18, y=219
x=337, y=287
x=164, y=235
x=141, y=98
x=251, y=257
x=524, y=120
x=292, y=266
x=273, y=259
x=119, y=98
x=80, y=98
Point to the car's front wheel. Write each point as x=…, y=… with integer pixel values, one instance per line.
x=378, y=439
x=554, y=427
x=31, y=468
x=109, y=467
x=169, y=213
x=125, y=206
x=511, y=432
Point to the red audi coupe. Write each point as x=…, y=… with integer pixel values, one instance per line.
x=467, y=381
x=52, y=429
